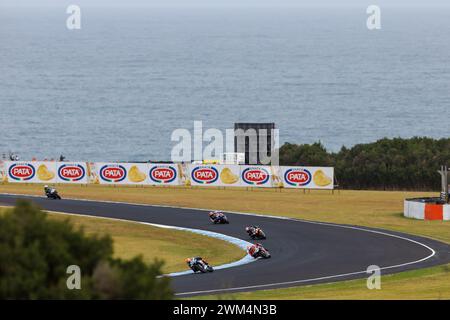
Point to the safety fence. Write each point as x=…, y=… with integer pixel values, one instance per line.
x=177, y=174
x=423, y=210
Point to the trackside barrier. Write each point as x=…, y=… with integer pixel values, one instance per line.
x=114, y=173
x=417, y=209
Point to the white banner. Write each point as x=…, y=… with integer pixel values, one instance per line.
x=203, y=175
x=256, y=176
x=167, y=174
x=31, y=171
x=121, y=173
x=163, y=174
x=71, y=172
x=214, y=175
x=307, y=177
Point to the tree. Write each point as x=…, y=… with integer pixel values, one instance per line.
x=35, y=253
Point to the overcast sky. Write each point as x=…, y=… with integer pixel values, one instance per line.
x=228, y=3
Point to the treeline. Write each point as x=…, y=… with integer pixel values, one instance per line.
x=387, y=164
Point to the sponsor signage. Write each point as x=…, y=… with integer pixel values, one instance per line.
x=163, y=174
x=297, y=177
x=169, y=174
x=21, y=171
x=71, y=172
x=31, y=171
x=113, y=173
x=204, y=175
x=257, y=176
x=308, y=177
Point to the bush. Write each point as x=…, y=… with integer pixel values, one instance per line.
x=35, y=253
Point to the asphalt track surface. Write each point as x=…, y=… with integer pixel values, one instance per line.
x=302, y=252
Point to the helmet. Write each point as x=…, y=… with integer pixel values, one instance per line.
x=46, y=186
x=247, y=228
x=187, y=260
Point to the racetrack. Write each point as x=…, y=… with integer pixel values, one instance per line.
x=302, y=252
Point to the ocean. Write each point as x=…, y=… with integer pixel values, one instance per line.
x=117, y=88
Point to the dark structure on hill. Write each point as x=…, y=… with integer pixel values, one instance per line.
x=254, y=139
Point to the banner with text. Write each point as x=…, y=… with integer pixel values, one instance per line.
x=307, y=177
x=214, y=175
x=167, y=174
x=31, y=171
x=71, y=172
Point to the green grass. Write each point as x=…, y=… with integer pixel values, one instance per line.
x=172, y=246
x=364, y=208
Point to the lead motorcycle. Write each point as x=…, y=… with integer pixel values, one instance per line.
x=51, y=193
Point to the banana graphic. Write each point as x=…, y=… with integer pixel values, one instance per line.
x=136, y=175
x=228, y=177
x=321, y=179
x=44, y=174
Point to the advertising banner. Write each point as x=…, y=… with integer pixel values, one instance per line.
x=31, y=171
x=256, y=176
x=229, y=175
x=163, y=174
x=308, y=177
x=203, y=175
x=167, y=174
x=71, y=172
x=121, y=173
x=214, y=175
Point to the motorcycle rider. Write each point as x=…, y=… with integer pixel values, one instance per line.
x=215, y=215
x=47, y=190
x=193, y=261
x=196, y=260
x=252, y=230
x=254, y=249
x=51, y=192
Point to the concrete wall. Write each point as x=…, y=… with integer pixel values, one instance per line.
x=416, y=210
x=447, y=212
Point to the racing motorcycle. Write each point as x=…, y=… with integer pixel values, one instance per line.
x=51, y=193
x=258, y=251
x=218, y=217
x=255, y=233
x=199, y=265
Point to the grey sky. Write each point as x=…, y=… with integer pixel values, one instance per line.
x=228, y=3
